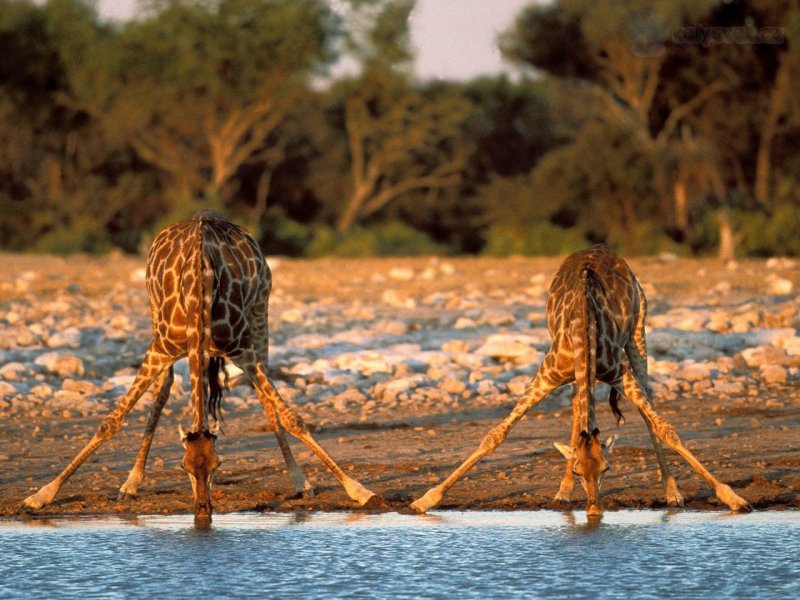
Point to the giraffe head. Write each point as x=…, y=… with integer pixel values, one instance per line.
x=200, y=460
x=589, y=464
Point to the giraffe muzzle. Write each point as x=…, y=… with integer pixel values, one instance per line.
x=594, y=509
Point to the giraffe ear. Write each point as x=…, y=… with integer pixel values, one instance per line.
x=183, y=434
x=569, y=453
x=608, y=445
x=214, y=429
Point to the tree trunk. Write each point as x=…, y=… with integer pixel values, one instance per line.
x=727, y=238
x=777, y=102
x=681, y=206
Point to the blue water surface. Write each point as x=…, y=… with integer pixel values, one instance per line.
x=540, y=554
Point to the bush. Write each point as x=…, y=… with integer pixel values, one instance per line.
x=393, y=238
x=540, y=238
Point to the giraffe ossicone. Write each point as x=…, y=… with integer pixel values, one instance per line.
x=208, y=288
x=595, y=316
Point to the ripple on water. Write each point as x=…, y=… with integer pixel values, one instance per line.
x=540, y=554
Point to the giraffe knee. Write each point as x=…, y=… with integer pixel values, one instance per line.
x=667, y=433
x=293, y=424
x=492, y=439
x=107, y=428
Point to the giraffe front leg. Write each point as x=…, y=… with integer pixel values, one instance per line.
x=538, y=389
x=130, y=488
x=568, y=481
x=151, y=367
x=669, y=436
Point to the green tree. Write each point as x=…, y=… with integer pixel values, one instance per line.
x=58, y=191
x=401, y=138
x=205, y=88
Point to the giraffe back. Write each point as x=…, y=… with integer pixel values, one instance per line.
x=599, y=284
x=239, y=283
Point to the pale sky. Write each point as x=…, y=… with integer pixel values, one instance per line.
x=454, y=39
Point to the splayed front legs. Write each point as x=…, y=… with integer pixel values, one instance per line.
x=152, y=366
x=537, y=390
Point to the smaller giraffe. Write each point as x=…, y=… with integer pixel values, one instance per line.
x=595, y=315
x=208, y=287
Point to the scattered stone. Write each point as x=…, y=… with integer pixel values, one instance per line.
x=508, y=346
x=763, y=355
x=401, y=274
x=61, y=364
x=452, y=386
x=464, y=323
x=778, y=286
x=292, y=315
x=7, y=390
x=43, y=391
x=394, y=298
x=12, y=371
x=518, y=385
x=82, y=386
x=773, y=374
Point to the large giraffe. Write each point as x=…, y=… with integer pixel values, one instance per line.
x=208, y=286
x=595, y=315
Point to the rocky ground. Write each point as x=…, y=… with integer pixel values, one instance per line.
x=399, y=366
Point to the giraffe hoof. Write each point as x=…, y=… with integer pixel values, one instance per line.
x=305, y=494
x=562, y=497
x=124, y=495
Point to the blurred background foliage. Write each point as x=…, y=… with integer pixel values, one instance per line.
x=652, y=125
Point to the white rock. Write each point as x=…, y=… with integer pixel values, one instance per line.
x=138, y=275
x=728, y=387
x=518, y=385
x=447, y=268
x=763, y=355
x=292, y=315
x=401, y=274
x=502, y=346
x=779, y=286
x=464, y=323
x=7, y=390
x=121, y=381
x=452, y=386
x=394, y=298
x=486, y=387
x=12, y=371
x=773, y=374
x=68, y=338
x=693, y=372
x=61, y=364
x=43, y=391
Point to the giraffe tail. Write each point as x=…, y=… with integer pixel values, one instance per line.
x=584, y=347
x=207, y=393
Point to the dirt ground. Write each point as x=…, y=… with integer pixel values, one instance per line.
x=749, y=440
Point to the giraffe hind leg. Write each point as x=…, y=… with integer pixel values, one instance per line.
x=130, y=488
x=302, y=487
x=635, y=351
x=665, y=432
x=568, y=481
x=294, y=425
